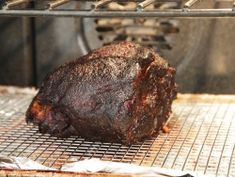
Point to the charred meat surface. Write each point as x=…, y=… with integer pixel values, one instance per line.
x=118, y=93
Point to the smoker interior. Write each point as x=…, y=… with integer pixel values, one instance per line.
x=199, y=48
x=202, y=127
x=201, y=137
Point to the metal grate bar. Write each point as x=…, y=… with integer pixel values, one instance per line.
x=96, y=5
x=144, y=4
x=190, y=3
x=209, y=13
x=231, y=167
x=137, y=10
x=54, y=4
x=10, y=4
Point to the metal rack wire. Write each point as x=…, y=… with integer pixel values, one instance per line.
x=201, y=138
x=56, y=8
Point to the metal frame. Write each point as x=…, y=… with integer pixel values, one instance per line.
x=98, y=11
x=130, y=14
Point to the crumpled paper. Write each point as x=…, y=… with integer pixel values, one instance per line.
x=99, y=166
x=21, y=163
x=95, y=166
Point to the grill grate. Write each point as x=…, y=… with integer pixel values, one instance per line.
x=140, y=8
x=201, y=138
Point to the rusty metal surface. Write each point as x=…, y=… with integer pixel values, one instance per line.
x=37, y=173
x=201, y=137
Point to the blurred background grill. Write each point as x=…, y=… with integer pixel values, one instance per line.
x=200, y=48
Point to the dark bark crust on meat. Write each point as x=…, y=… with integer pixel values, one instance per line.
x=118, y=93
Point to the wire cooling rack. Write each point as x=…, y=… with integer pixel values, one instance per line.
x=201, y=138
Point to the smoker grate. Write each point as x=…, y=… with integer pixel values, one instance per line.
x=98, y=8
x=201, y=138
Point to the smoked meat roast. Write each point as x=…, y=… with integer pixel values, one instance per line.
x=121, y=92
